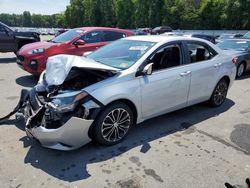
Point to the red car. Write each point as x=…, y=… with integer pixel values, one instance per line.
x=33, y=57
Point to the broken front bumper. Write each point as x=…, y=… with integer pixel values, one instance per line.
x=73, y=134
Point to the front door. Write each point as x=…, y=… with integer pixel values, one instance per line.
x=167, y=88
x=93, y=41
x=7, y=40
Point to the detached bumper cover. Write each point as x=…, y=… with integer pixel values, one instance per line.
x=72, y=135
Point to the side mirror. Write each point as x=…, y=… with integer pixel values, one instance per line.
x=79, y=42
x=148, y=69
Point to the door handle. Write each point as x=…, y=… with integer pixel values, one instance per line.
x=217, y=65
x=185, y=73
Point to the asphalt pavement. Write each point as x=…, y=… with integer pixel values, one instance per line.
x=195, y=147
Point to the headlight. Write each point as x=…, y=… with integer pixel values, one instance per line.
x=36, y=51
x=67, y=102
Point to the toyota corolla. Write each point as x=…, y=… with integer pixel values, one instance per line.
x=101, y=96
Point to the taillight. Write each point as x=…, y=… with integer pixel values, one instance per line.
x=234, y=60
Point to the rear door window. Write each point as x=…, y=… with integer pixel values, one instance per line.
x=199, y=52
x=112, y=35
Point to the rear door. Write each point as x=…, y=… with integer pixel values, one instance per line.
x=205, y=70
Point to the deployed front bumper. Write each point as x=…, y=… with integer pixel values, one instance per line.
x=71, y=135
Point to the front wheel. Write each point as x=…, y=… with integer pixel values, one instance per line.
x=113, y=124
x=240, y=70
x=219, y=94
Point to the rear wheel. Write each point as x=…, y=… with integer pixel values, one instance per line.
x=113, y=123
x=219, y=94
x=240, y=70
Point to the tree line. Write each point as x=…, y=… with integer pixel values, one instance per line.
x=179, y=14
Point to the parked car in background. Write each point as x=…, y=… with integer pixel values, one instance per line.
x=161, y=29
x=173, y=34
x=32, y=58
x=202, y=36
x=146, y=29
x=241, y=50
x=12, y=41
x=225, y=36
x=210, y=38
x=148, y=76
x=247, y=35
x=60, y=31
x=140, y=32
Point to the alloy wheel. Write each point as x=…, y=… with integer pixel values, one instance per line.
x=115, y=125
x=220, y=93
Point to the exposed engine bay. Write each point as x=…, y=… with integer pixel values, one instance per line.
x=48, y=96
x=59, y=101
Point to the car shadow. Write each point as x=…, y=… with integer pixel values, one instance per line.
x=27, y=81
x=8, y=60
x=72, y=166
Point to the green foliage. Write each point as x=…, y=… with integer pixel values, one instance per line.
x=179, y=14
x=211, y=14
x=125, y=13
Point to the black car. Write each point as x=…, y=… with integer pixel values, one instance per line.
x=12, y=41
x=206, y=37
x=161, y=29
x=241, y=51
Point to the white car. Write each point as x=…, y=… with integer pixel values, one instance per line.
x=124, y=83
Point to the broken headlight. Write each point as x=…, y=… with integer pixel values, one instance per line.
x=67, y=102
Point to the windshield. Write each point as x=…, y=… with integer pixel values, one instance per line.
x=67, y=36
x=121, y=54
x=247, y=35
x=239, y=45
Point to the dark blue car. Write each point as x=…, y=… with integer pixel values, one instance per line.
x=241, y=50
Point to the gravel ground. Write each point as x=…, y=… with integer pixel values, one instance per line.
x=195, y=147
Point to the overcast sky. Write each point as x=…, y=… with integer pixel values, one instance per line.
x=34, y=6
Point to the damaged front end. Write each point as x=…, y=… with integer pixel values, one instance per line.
x=57, y=111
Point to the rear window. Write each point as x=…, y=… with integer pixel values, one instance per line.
x=112, y=35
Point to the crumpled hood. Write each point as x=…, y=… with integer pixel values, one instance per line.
x=59, y=66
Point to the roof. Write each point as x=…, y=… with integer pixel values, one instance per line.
x=102, y=28
x=162, y=38
x=238, y=39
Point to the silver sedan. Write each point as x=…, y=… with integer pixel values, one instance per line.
x=103, y=95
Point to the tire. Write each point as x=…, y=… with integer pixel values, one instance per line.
x=240, y=70
x=106, y=130
x=219, y=94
